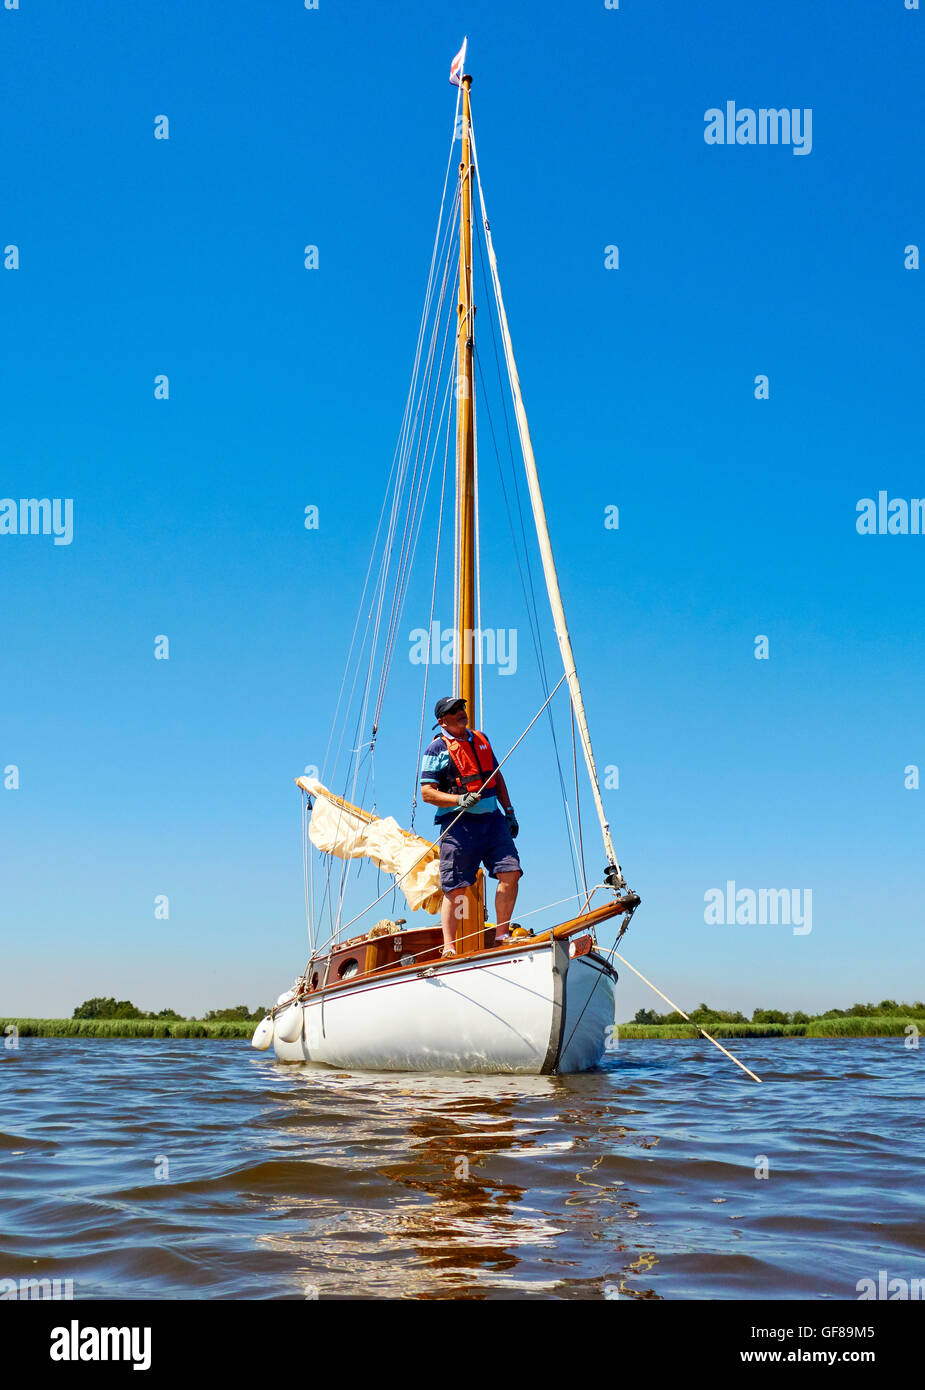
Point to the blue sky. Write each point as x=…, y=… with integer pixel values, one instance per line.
x=737, y=516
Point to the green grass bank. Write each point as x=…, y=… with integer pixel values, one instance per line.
x=125, y=1028
x=886, y=1027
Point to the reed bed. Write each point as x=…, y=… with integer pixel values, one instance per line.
x=718, y=1030
x=886, y=1027
x=124, y=1028
x=892, y=1026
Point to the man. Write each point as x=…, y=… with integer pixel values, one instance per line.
x=456, y=766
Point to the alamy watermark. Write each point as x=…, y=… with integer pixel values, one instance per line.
x=26, y=1289
x=891, y=1289
x=77, y=1343
x=748, y=907
x=768, y=125
x=890, y=516
x=38, y=516
x=436, y=646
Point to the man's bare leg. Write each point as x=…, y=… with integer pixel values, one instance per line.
x=505, y=898
x=450, y=915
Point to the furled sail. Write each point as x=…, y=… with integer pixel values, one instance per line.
x=348, y=832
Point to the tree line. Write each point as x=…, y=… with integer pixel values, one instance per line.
x=124, y=1008
x=887, y=1008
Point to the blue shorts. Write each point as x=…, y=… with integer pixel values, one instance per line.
x=475, y=840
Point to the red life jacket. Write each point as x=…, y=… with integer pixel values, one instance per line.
x=473, y=760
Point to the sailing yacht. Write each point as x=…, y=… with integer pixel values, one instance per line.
x=382, y=995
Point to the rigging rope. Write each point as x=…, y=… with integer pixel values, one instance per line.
x=417, y=399
x=309, y=882
x=702, y=1031
x=413, y=522
x=430, y=624
x=400, y=484
x=399, y=448
x=530, y=600
x=413, y=529
x=614, y=872
x=581, y=846
x=532, y=615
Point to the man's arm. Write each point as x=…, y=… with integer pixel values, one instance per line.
x=503, y=793
x=434, y=797
x=504, y=798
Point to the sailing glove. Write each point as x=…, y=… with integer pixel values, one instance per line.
x=467, y=800
x=512, y=824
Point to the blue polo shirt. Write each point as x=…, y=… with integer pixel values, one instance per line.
x=437, y=769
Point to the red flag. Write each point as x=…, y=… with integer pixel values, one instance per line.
x=456, y=67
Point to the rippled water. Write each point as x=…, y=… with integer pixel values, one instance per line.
x=184, y=1168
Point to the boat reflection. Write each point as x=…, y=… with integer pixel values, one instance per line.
x=494, y=1177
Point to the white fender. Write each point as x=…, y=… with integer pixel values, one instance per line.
x=263, y=1034
x=289, y=1024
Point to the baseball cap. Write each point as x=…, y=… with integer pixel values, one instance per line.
x=447, y=704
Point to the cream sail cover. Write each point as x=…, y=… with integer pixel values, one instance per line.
x=348, y=832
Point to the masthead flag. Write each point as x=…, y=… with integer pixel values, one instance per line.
x=456, y=68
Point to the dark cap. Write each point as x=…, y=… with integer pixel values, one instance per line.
x=447, y=704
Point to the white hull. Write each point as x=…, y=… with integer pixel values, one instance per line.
x=531, y=1011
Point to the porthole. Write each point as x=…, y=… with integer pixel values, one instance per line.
x=348, y=969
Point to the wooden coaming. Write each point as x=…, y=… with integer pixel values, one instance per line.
x=422, y=947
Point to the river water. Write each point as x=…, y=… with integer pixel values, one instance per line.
x=155, y=1168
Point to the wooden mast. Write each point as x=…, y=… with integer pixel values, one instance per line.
x=465, y=435
x=470, y=924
